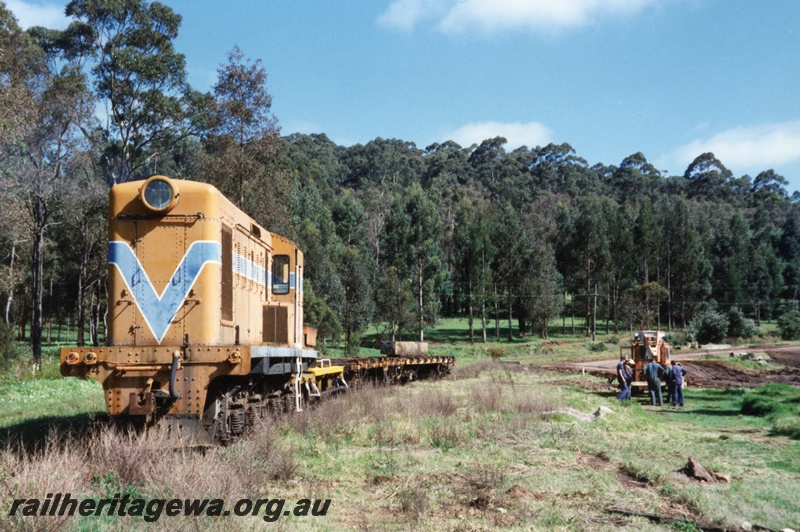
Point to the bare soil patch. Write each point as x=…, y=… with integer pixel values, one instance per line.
x=714, y=373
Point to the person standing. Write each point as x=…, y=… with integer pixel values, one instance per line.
x=624, y=375
x=653, y=371
x=668, y=378
x=678, y=373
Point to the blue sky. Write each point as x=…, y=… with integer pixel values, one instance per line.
x=669, y=78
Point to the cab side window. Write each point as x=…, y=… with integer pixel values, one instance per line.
x=280, y=274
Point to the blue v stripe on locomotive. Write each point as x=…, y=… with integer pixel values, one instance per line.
x=159, y=310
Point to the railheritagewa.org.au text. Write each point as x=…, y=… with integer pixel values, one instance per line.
x=151, y=510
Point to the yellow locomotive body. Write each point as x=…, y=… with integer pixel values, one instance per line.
x=205, y=322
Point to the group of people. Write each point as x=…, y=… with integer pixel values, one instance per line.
x=673, y=375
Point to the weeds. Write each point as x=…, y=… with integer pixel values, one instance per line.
x=473, y=371
x=413, y=501
x=486, y=397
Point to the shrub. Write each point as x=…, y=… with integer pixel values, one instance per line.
x=788, y=426
x=708, y=327
x=597, y=347
x=674, y=338
x=739, y=326
x=758, y=406
x=789, y=325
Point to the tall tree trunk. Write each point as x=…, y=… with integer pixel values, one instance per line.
x=588, y=296
x=496, y=314
x=40, y=221
x=347, y=320
x=421, y=301
x=510, y=316
x=81, y=318
x=471, y=314
x=96, y=302
x=483, y=321
x=11, y=283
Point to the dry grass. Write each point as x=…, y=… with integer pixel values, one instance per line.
x=473, y=371
x=473, y=452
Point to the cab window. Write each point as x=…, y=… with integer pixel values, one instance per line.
x=280, y=274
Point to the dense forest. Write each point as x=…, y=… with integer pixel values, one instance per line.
x=394, y=235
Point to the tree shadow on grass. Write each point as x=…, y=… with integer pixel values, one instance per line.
x=33, y=435
x=708, y=411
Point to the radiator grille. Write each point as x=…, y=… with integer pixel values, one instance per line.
x=276, y=325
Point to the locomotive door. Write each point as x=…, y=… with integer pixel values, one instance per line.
x=160, y=284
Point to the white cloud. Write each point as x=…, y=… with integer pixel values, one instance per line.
x=405, y=14
x=30, y=14
x=752, y=148
x=488, y=16
x=517, y=134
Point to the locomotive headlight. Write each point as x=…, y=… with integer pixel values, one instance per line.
x=159, y=193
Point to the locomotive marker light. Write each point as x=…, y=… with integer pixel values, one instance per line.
x=159, y=193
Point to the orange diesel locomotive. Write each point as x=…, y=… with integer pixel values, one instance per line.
x=205, y=327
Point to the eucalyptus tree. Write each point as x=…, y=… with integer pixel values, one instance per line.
x=634, y=178
x=140, y=78
x=707, y=178
x=241, y=143
x=646, y=241
x=590, y=247
x=355, y=267
x=788, y=247
x=411, y=244
x=624, y=259
x=512, y=244
x=474, y=255
x=765, y=279
x=382, y=161
x=731, y=260
x=394, y=301
x=688, y=266
x=51, y=104
x=541, y=287
x=557, y=169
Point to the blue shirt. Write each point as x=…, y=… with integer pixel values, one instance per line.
x=652, y=370
x=678, y=373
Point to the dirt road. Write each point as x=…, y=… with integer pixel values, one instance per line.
x=785, y=367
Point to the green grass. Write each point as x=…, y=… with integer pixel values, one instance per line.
x=777, y=403
x=444, y=455
x=32, y=403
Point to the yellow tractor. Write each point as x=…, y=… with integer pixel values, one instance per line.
x=646, y=346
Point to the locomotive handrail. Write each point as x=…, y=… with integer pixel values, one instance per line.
x=198, y=216
x=137, y=367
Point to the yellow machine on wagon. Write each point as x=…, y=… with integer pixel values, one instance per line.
x=646, y=346
x=205, y=327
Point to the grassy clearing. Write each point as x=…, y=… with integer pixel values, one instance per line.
x=478, y=450
x=32, y=401
x=777, y=403
x=768, y=365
